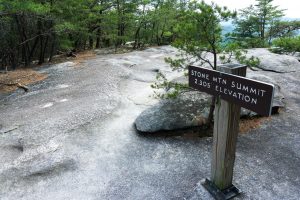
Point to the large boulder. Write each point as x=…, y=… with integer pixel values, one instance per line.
x=192, y=108
x=274, y=62
x=187, y=110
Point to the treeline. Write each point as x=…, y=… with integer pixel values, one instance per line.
x=36, y=30
x=258, y=25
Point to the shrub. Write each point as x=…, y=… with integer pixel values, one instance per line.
x=287, y=44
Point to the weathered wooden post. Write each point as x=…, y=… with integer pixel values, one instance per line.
x=226, y=128
x=232, y=91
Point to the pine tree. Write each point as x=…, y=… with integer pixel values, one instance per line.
x=255, y=23
x=198, y=34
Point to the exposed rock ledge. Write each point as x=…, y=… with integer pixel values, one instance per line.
x=274, y=62
x=191, y=109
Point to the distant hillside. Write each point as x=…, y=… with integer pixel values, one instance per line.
x=227, y=27
x=290, y=19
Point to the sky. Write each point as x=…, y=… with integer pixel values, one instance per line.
x=292, y=6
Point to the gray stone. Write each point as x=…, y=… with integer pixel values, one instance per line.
x=187, y=110
x=98, y=155
x=58, y=68
x=181, y=80
x=274, y=62
x=36, y=163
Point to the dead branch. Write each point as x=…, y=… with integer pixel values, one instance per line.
x=19, y=85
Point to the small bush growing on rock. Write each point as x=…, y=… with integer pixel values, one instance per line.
x=287, y=44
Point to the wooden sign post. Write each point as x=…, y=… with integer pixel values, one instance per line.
x=232, y=91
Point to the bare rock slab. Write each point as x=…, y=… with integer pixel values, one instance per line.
x=274, y=62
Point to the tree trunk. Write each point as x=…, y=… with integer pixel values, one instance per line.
x=23, y=39
x=120, y=23
x=163, y=30
x=13, y=60
x=98, y=39
x=36, y=41
x=41, y=50
x=51, y=53
x=215, y=59
x=152, y=32
x=91, y=42
x=137, y=37
x=157, y=36
x=45, y=48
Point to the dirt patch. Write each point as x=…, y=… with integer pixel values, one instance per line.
x=11, y=80
x=78, y=58
x=252, y=123
x=82, y=56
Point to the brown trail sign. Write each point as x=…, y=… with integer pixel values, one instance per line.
x=235, y=91
x=251, y=94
